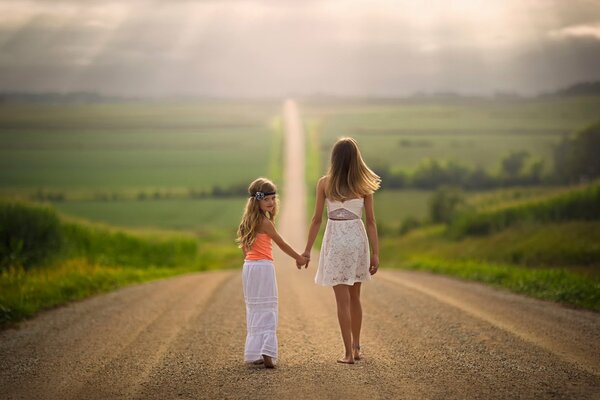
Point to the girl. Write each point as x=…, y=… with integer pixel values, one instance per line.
x=344, y=262
x=254, y=236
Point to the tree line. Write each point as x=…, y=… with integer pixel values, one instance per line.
x=576, y=159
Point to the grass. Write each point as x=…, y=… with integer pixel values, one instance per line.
x=577, y=204
x=80, y=258
x=552, y=252
x=216, y=157
x=178, y=214
x=99, y=158
x=133, y=145
x=394, y=206
x=552, y=284
x=23, y=294
x=573, y=244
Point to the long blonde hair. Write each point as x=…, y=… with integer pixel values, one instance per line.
x=348, y=175
x=253, y=215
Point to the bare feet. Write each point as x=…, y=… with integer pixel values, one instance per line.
x=356, y=352
x=268, y=361
x=346, y=360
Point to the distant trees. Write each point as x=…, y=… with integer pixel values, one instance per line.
x=513, y=164
x=517, y=168
x=577, y=157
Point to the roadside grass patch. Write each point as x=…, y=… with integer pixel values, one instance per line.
x=553, y=284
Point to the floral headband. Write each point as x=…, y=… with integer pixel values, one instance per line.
x=261, y=195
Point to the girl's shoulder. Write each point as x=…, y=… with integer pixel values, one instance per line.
x=323, y=181
x=265, y=225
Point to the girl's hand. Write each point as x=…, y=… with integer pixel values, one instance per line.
x=374, y=264
x=300, y=261
x=306, y=255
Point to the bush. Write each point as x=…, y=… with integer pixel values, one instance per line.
x=408, y=224
x=578, y=204
x=444, y=204
x=33, y=236
x=576, y=157
x=29, y=235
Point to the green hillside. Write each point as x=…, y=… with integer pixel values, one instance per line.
x=547, y=246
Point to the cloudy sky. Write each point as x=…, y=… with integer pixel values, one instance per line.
x=290, y=47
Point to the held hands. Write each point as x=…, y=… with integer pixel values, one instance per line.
x=374, y=264
x=300, y=261
x=306, y=255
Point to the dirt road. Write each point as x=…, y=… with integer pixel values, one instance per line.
x=425, y=337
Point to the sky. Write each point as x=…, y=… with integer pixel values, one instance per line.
x=276, y=48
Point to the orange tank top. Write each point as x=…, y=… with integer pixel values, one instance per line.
x=262, y=248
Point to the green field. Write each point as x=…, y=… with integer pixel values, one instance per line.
x=118, y=146
x=89, y=153
x=473, y=132
x=178, y=214
x=100, y=158
x=544, y=245
x=395, y=206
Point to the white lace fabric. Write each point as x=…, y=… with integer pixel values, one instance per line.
x=344, y=257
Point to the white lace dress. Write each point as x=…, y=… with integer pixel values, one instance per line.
x=344, y=255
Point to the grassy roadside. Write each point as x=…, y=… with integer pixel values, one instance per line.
x=555, y=284
x=47, y=260
x=547, y=247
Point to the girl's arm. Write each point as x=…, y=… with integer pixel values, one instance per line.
x=372, y=233
x=316, y=219
x=268, y=228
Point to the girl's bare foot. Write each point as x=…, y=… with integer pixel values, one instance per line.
x=268, y=361
x=346, y=360
x=356, y=352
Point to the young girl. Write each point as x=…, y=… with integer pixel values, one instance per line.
x=254, y=236
x=344, y=262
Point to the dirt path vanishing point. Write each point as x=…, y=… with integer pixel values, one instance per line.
x=425, y=336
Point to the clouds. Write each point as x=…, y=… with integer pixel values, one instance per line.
x=591, y=31
x=275, y=48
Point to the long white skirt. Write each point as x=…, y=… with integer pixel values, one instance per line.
x=260, y=294
x=344, y=258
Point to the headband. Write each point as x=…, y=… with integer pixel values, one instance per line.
x=261, y=195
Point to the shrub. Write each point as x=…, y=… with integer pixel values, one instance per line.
x=576, y=157
x=33, y=236
x=444, y=203
x=408, y=224
x=578, y=204
x=28, y=235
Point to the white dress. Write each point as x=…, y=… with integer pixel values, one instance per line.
x=344, y=257
x=260, y=295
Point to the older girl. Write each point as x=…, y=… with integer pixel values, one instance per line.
x=345, y=262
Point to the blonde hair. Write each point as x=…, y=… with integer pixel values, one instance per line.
x=253, y=215
x=348, y=175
